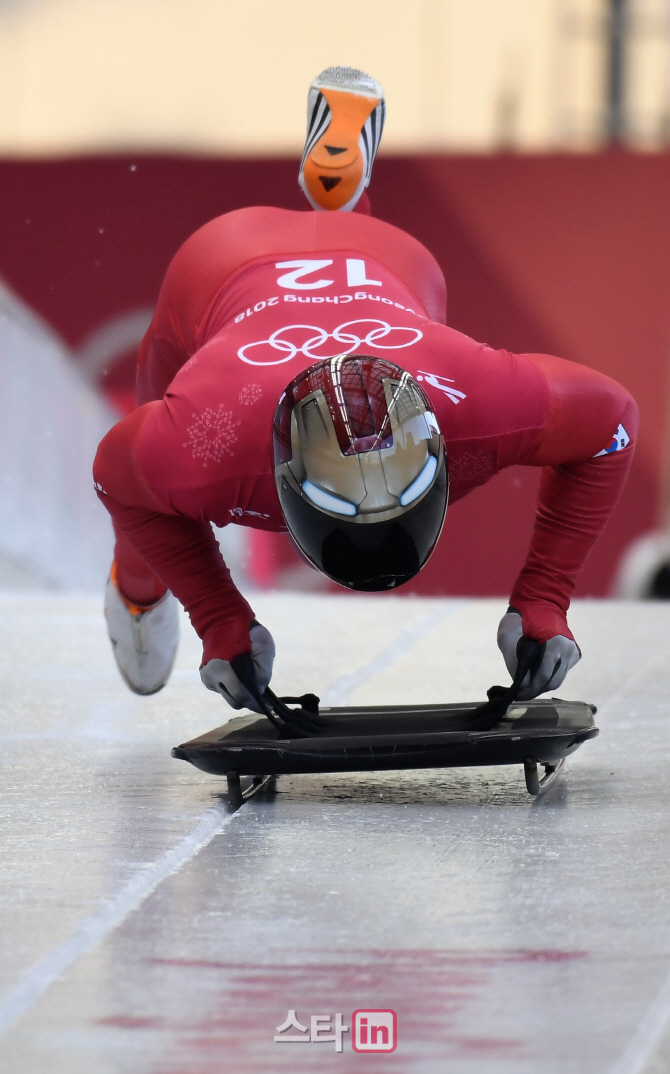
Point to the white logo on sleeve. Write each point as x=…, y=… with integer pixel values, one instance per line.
x=296, y=339
x=620, y=440
x=444, y=384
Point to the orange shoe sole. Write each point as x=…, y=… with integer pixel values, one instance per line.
x=334, y=169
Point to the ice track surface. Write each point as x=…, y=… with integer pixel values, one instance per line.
x=145, y=929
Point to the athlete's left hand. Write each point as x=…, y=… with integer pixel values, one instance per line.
x=559, y=654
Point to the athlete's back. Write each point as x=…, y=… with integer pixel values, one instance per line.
x=207, y=260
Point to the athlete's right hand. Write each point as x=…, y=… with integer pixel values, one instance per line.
x=558, y=655
x=218, y=675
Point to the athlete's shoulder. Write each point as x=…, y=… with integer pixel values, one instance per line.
x=493, y=391
x=210, y=427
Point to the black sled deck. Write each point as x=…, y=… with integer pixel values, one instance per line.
x=535, y=734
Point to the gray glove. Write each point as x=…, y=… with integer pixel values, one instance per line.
x=219, y=676
x=560, y=654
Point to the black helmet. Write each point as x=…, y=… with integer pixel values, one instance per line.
x=360, y=467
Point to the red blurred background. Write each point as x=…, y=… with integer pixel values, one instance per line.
x=564, y=254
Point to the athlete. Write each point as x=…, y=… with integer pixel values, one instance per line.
x=298, y=375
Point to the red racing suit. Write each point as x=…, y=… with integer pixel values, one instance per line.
x=257, y=295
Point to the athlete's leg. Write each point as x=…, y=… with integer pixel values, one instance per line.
x=142, y=621
x=142, y=617
x=137, y=584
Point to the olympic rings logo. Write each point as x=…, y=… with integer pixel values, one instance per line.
x=350, y=340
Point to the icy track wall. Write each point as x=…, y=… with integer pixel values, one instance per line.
x=51, y=522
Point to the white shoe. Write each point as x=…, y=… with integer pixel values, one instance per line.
x=144, y=640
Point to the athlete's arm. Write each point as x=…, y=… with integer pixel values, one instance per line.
x=181, y=551
x=578, y=490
